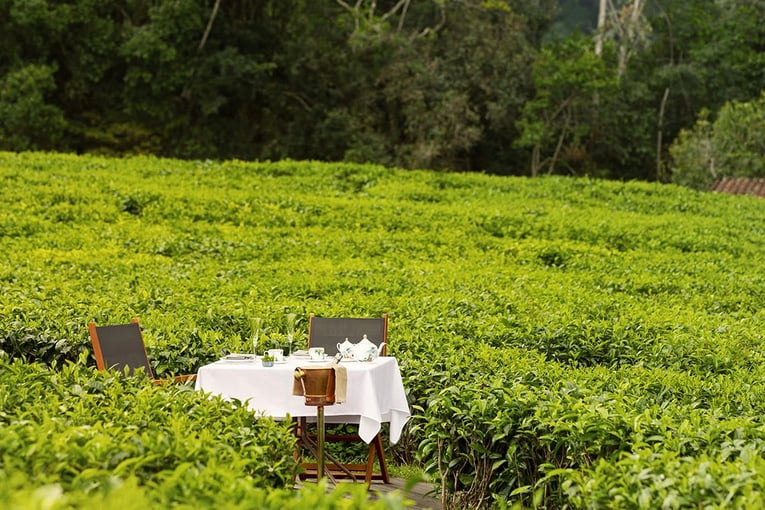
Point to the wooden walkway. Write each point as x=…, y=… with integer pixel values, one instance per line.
x=418, y=494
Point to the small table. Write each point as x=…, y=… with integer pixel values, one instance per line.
x=375, y=392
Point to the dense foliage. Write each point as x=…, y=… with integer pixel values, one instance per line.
x=76, y=438
x=503, y=86
x=731, y=145
x=577, y=342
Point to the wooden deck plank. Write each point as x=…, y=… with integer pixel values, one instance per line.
x=419, y=494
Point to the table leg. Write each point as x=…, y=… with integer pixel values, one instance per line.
x=320, y=468
x=310, y=445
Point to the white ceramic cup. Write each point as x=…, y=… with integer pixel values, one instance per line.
x=278, y=354
x=316, y=353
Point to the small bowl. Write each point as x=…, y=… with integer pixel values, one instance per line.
x=267, y=363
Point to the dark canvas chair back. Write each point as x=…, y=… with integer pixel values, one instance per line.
x=327, y=332
x=118, y=346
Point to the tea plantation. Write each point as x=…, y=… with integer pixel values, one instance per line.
x=565, y=343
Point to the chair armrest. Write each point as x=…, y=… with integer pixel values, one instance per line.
x=180, y=379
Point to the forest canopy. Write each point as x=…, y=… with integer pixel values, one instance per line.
x=503, y=86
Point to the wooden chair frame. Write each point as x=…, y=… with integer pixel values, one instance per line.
x=376, y=450
x=134, y=359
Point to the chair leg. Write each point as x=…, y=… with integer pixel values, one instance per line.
x=370, y=465
x=381, y=454
x=376, y=449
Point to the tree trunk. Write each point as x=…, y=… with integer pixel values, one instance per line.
x=600, y=34
x=209, y=26
x=659, y=167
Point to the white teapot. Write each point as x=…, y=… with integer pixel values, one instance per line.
x=365, y=350
x=346, y=349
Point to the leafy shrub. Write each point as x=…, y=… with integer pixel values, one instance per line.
x=664, y=479
x=83, y=430
x=17, y=492
x=543, y=326
x=731, y=145
x=27, y=119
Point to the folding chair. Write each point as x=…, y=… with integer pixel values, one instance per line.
x=121, y=346
x=327, y=332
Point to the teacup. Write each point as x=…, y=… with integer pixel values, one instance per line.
x=277, y=354
x=316, y=353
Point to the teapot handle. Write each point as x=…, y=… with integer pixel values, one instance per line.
x=379, y=347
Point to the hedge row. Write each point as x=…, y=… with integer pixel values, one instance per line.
x=77, y=438
x=551, y=331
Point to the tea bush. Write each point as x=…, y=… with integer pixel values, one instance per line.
x=664, y=479
x=79, y=428
x=18, y=493
x=551, y=332
x=77, y=438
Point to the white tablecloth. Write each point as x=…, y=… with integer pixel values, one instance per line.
x=375, y=392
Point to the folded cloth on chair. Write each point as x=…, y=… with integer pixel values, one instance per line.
x=341, y=382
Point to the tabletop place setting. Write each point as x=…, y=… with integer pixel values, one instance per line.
x=347, y=352
x=367, y=388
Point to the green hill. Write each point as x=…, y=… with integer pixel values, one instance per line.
x=559, y=337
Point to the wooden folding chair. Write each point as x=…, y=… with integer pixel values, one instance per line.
x=327, y=332
x=120, y=347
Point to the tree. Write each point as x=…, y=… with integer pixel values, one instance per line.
x=697, y=55
x=446, y=83
x=560, y=123
x=624, y=24
x=732, y=145
x=27, y=119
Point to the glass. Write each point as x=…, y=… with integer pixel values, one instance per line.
x=256, y=328
x=290, y=332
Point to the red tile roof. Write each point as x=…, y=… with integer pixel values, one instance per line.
x=740, y=186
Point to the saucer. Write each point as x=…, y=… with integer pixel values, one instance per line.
x=238, y=357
